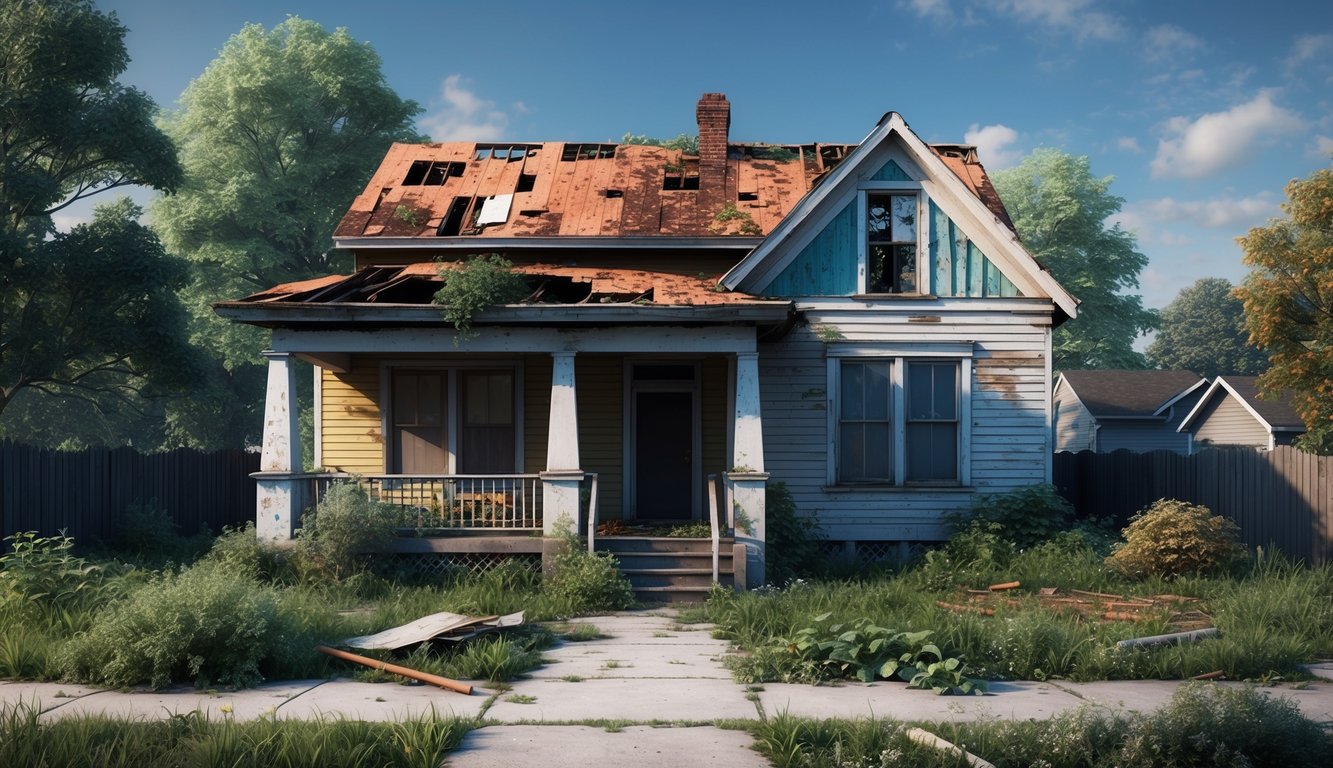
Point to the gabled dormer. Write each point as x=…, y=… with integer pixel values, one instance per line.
x=898, y=218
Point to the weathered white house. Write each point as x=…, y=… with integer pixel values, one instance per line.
x=859, y=322
x=1231, y=413
x=1109, y=410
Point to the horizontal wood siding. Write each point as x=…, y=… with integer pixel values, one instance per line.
x=827, y=265
x=1141, y=436
x=601, y=396
x=1010, y=445
x=1224, y=421
x=352, y=432
x=1075, y=429
x=537, y=409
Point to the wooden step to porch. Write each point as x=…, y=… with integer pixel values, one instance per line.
x=669, y=569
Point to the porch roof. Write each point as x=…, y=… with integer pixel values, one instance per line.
x=403, y=294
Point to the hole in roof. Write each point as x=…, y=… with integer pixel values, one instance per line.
x=431, y=172
x=677, y=182
x=747, y=196
x=615, y=193
x=573, y=152
x=453, y=221
x=526, y=182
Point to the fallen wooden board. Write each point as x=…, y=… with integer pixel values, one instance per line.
x=926, y=738
x=437, y=626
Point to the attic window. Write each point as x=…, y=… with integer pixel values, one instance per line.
x=573, y=152
x=891, y=242
x=431, y=172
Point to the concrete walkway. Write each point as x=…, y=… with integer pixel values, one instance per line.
x=647, y=695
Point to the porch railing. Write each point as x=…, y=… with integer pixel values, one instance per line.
x=460, y=502
x=719, y=510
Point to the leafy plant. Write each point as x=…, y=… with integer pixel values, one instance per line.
x=481, y=282
x=583, y=582
x=793, y=540
x=148, y=533
x=240, y=550
x=730, y=212
x=206, y=625
x=1173, y=538
x=42, y=572
x=346, y=525
x=1027, y=516
x=685, y=143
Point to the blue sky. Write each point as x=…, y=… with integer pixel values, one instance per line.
x=1202, y=111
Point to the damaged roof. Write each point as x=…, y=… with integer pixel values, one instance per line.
x=467, y=189
x=549, y=284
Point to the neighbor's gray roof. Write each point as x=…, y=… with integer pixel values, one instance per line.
x=1278, y=413
x=1127, y=394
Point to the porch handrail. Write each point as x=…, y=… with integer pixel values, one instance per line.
x=712, y=520
x=592, y=507
x=508, y=501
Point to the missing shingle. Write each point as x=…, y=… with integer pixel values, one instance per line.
x=746, y=197
x=526, y=182
x=615, y=193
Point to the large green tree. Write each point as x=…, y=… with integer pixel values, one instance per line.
x=1060, y=211
x=90, y=313
x=277, y=137
x=1288, y=299
x=1203, y=330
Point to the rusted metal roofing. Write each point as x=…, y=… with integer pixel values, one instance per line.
x=462, y=189
x=550, y=284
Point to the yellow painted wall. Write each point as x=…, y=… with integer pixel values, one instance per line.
x=352, y=438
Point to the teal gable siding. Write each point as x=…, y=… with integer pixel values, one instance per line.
x=890, y=171
x=959, y=268
x=827, y=265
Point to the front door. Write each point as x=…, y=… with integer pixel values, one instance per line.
x=663, y=455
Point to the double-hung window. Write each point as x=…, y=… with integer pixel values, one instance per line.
x=898, y=420
x=891, y=242
x=447, y=420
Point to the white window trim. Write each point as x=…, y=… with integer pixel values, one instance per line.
x=899, y=355
x=387, y=368
x=922, y=234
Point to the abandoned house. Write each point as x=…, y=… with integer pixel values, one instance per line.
x=856, y=321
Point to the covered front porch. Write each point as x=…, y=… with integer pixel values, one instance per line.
x=522, y=432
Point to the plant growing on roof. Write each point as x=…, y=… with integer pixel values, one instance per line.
x=728, y=213
x=481, y=282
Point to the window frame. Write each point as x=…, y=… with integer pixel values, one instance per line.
x=899, y=356
x=903, y=188
x=453, y=405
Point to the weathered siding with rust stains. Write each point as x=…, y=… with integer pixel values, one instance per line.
x=1009, y=428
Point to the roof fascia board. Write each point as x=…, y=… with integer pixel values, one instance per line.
x=1221, y=382
x=511, y=243
x=1180, y=396
x=522, y=314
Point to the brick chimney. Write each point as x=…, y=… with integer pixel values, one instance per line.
x=714, y=117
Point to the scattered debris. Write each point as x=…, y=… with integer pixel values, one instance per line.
x=1218, y=675
x=1005, y=586
x=928, y=739
x=397, y=669
x=453, y=627
x=965, y=608
x=1175, y=638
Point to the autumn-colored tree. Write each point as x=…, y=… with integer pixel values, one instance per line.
x=1288, y=299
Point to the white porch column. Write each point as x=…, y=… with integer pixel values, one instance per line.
x=747, y=475
x=563, y=475
x=278, y=500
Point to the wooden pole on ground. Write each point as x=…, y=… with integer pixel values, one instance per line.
x=408, y=672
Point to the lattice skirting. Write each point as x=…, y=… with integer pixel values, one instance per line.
x=430, y=565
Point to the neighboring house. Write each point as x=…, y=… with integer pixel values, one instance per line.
x=1139, y=411
x=1231, y=413
x=858, y=322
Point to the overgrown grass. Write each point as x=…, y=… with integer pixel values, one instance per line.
x=1201, y=726
x=194, y=740
x=1272, y=617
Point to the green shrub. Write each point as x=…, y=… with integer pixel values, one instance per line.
x=792, y=550
x=1027, y=516
x=482, y=281
x=1172, y=538
x=147, y=533
x=239, y=550
x=346, y=525
x=971, y=557
x=41, y=573
x=205, y=624
x=584, y=582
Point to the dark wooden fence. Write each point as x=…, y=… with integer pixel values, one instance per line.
x=1281, y=498
x=84, y=492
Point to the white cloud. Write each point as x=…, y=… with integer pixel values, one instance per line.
x=1322, y=147
x=1128, y=144
x=1219, y=140
x=1219, y=213
x=1077, y=17
x=994, y=144
x=936, y=9
x=1165, y=42
x=462, y=115
x=1309, y=49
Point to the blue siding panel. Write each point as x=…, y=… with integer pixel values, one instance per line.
x=891, y=171
x=827, y=265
